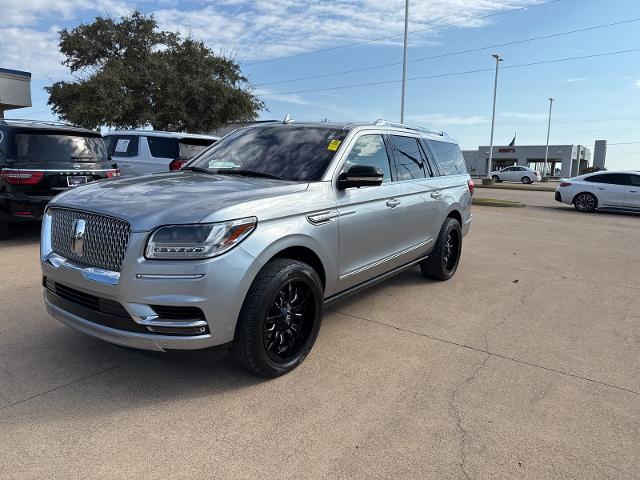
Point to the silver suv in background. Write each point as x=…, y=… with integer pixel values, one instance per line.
x=150, y=151
x=245, y=245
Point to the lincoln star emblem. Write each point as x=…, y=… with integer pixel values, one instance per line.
x=77, y=166
x=77, y=244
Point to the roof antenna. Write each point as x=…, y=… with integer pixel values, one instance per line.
x=287, y=119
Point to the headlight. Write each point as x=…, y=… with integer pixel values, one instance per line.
x=198, y=241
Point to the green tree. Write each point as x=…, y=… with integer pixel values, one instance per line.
x=128, y=74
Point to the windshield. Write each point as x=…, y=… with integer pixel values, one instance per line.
x=289, y=152
x=53, y=147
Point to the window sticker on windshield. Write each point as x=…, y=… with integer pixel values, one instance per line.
x=333, y=145
x=122, y=145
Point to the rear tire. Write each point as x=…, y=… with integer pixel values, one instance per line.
x=445, y=257
x=280, y=318
x=526, y=180
x=585, y=202
x=5, y=230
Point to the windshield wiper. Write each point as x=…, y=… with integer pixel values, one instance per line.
x=196, y=169
x=244, y=172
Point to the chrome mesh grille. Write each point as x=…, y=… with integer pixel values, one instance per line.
x=105, y=243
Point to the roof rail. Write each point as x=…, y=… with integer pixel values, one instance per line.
x=32, y=121
x=418, y=128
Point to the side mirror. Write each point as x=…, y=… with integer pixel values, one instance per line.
x=360, y=176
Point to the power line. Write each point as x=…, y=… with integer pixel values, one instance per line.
x=431, y=27
x=460, y=52
x=451, y=74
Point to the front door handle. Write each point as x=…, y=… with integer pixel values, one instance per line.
x=436, y=194
x=601, y=188
x=393, y=203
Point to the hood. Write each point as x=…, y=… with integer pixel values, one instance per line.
x=171, y=198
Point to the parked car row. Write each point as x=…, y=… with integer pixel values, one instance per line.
x=39, y=160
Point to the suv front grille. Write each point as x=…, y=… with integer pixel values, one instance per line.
x=105, y=238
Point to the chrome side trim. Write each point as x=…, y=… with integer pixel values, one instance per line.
x=322, y=217
x=386, y=259
x=152, y=321
x=373, y=281
x=154, y=276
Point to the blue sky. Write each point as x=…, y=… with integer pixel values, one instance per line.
x=596, y=98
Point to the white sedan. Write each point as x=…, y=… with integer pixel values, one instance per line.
x=602, y=190
x=516, y=174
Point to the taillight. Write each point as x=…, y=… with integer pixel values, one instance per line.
x=565, y=184
x=21, y=177
x=472, y=187
x=113, y=173
x=177, y=164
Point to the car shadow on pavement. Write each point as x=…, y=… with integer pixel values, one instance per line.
x=613, y=213
x=21, y=234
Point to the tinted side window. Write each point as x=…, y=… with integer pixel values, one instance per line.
x=122, y=145
x=161, y=147
x=410, y=164
x=370, y=150
x=449, y=157
x=634, y=180
x=610, y=178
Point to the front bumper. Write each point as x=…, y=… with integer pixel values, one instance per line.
x=216, y=286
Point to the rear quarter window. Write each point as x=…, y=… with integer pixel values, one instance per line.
x=449, y=157
x=122, y=145
x=191, y=147
x=162, y=147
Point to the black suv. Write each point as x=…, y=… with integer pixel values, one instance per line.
x=38, y=160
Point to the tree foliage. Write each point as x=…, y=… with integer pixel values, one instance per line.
x=128, y=74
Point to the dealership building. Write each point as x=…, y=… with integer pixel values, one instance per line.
x=563, y=160
x=15, y=90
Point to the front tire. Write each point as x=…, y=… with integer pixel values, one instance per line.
x=585, y=202
x=445, y=257
x=280, y=318
x=496, y=178
x=526, y=180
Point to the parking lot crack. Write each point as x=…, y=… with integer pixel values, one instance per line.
x=78, y=380
x=491, y=353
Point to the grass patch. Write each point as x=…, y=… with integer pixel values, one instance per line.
x=496, y=202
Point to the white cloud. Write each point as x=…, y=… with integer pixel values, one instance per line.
x=31, y=50
x=578, y=79
x=265, y=29
x=636, y=84
x=441, y=119
x=524, y=116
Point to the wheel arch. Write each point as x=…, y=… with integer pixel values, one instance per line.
x=573, y=200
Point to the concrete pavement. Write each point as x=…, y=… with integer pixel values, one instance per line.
x=525, y=365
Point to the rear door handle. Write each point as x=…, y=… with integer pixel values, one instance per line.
x=601, y=188
x=436, y=194
x=393, y=203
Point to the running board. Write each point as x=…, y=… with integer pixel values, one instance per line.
x=373, y=281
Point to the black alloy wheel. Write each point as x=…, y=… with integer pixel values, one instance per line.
x=443, y=261
x=289, y=320
x=280, y=318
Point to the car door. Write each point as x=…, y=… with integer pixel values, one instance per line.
x=421, y=194
x=507, y=174
x=369, y=220
x=632, y=197
x=609, y=188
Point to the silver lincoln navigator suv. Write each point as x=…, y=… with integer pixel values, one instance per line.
x=245, y=245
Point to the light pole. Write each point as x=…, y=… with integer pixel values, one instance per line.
x=545, y=173
x=493, y=115
x=404, y=59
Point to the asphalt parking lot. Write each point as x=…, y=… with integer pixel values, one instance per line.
x=525, y=365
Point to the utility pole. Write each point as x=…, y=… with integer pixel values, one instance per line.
x=545, y=173
x=404, y=59
x=493, y=115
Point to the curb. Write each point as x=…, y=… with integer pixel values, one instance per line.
x=490, y=202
